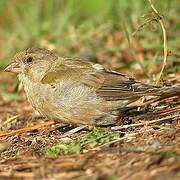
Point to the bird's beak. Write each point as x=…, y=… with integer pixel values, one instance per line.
x=13, y=67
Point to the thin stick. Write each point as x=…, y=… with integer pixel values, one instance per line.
x=132, y=50
x=9, y=120
x=27, y=129
x=73, y=131
x=141, y=26
x=145, y=123
x=115, y=141
x=161, y=21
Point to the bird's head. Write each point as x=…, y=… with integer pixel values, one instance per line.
x=31, y=62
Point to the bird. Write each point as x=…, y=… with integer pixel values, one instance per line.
x=76, y=91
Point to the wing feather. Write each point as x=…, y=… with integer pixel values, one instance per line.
x=113, y=86
x=108, y=84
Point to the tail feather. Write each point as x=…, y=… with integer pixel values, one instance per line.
x=170, y=91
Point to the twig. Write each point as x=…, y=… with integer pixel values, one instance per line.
x=132, y=50
x=27, y=129
x=115, y=141
x=161, y=21
x=141, y=26
x=9, y=120
x=145, y=123
x=159, y=114
x=74, y=130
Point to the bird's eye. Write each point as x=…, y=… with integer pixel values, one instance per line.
x=29, y=60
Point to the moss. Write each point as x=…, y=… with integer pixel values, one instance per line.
x=95, y=138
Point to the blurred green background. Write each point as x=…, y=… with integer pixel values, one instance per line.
x=97, y=29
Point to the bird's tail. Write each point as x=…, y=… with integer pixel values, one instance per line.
x=156, y=94
x=169, y=91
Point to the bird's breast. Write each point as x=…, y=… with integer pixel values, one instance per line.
x=64, y=100
x=35, y=92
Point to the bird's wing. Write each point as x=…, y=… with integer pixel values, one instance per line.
x=108, y=84
x=116, y=86
x=68, y=69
